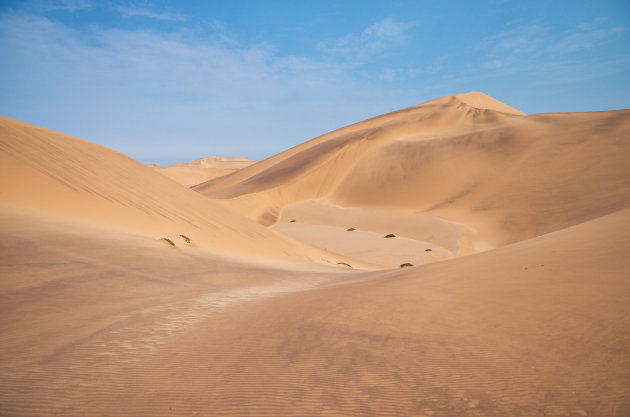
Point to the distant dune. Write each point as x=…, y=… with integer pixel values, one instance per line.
x=203, y=169
x=456, y=258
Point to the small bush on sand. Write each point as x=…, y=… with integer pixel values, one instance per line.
x=169, y=241
x=343, y=263
x=292, y=221
x=428, y=250
x=390, y=235
x=186, y=238
x=352, y=229
x=406, y=265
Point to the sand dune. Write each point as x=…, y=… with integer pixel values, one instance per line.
x=100, y=326
x=465, y=158
x=101, y=317
x=443, y=115
x=201, y=170
x=56, y=175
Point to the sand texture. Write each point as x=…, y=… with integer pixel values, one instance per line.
x=279, y=294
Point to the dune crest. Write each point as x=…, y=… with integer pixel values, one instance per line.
x=483, y=101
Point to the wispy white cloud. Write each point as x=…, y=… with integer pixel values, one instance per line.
x=519, y=39
x=536, y=48
x=380, y=36
x=586, y=36
x=403, y=73
x=178, y=86
x=65, y=5
x=142, y=12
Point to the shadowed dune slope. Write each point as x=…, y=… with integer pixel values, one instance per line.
x=57, y=175
x=464, y=158
x=201, y=170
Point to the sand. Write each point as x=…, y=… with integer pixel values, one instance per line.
x=201, y=170
x=507, y=176
x=521, y=307
x=52, y=174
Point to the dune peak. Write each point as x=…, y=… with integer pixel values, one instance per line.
x=483, y=101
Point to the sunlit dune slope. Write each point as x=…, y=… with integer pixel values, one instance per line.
x=201, y=170
x=57, y=175
x=465, y=158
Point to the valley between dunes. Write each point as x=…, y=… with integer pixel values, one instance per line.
x=270, y=288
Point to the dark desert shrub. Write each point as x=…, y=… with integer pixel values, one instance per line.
x=167, y=240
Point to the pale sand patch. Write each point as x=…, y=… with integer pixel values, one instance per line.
x=420, y=238
x=366, y=246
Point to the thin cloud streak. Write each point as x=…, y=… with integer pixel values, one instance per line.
x=532, y=48
x=135, y=12
x=165, y=87
x=374, y=39
x=64, y=5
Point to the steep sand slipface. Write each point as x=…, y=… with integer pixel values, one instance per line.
x=55, y=174
x=201, y=170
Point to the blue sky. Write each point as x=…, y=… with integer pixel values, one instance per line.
x=171, y=81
